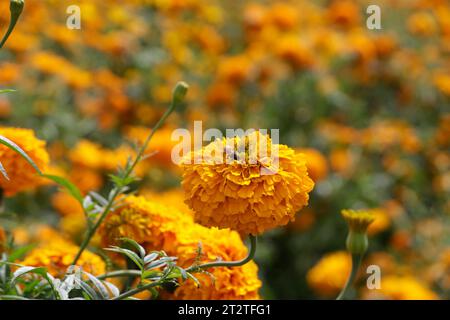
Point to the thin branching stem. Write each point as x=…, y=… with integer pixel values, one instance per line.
x=178, y=95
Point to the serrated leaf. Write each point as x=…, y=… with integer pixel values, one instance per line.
x=10, y=144
x=73, y=190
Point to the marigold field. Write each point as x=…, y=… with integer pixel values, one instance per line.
x=360, y=180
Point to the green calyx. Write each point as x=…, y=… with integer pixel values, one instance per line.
x=357, y=242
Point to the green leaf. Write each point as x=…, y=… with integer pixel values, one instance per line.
x=12, y=297
x=3, y=171
x=7, y=90
x=19, y=253
x=10, y=144
x=136, y=245
x=25, y=270
x=101, y=288
x=130, y=254
x=73, y=190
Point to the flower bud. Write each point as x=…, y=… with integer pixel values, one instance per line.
x=180, y=91
x=16, y=8
x=357, y=243
x=358, y=222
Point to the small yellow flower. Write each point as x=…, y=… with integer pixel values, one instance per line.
x=22, y=176
x=329, y=275
x=405, y=288
x=236, y=193
x=358, y=220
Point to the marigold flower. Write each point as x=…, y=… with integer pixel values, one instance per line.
x=160, y=227
x=329, y=275
x=57, y=255
x=227, y=283
x=316, y=163
x=22, y=176
x=238, y=195
x=358, y=220
x=66, y=204
x=87, y=154
x=151, y=224
x=404, y=288
x=2, y=240
x=381, y=221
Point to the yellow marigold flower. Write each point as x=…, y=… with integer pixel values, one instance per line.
x=86, y=179
x=58, y=255
x=240, y=283
x=237, y=194
x=404, y=288
x=161, y=144
x=2, y=239
x=381, y=221
x=358, y=220
x=22, y=176
x=442, y=82
x=87, y=154
x=316, y=163
x=66, y=204
x=329, y=275
x=151, y=224
x=173, y=198
x=422, y=24
x=73, y=225
x=294, y=52
x=159, y=227
x=235, y=69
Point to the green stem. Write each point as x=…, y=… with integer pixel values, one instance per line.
x=178, y=96
x=120, y=273
x=137, y=290
x=356, y=262
x=248, y=258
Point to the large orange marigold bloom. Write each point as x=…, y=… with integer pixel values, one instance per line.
x=245, y=191
x=22, y=176
x=151, y=224
x=237, y=283
x=58, y=255
x=160, y=227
